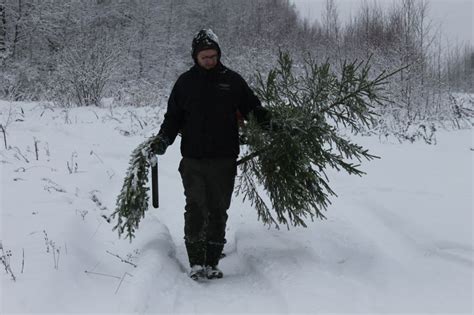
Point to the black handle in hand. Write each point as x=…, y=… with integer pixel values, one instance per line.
x=154, y=185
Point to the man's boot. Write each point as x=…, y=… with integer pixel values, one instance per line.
x=198, y=272
x=197, y=258
x=213, y=254
x=212, y=272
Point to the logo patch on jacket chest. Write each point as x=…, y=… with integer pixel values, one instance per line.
x=223, y=86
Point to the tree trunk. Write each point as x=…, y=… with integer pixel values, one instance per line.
x=3, y=26
x=168, y=40
x=16, y=35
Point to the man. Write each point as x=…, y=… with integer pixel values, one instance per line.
x=203, y=106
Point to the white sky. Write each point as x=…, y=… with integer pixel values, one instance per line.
x=454, y=16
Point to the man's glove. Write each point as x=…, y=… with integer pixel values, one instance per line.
x=159, y=145
x=263, y=116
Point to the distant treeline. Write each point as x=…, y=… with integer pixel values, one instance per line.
x=79, y=51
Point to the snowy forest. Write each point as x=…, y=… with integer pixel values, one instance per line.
x=371, y=131
x=79, y=52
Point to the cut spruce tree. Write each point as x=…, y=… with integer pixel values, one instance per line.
x=290, y=157
x=284, y=171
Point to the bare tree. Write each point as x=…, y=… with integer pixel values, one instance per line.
x=3, y=31
x=331, y=25
x=85, y=71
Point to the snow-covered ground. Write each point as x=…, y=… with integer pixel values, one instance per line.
x=397, y=240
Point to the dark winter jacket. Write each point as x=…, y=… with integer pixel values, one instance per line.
x=203, y=105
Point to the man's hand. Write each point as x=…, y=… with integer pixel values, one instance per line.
x=159, y=145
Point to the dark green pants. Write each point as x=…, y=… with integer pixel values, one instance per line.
x=208, y=187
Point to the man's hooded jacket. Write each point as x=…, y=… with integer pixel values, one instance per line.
x=203, y=106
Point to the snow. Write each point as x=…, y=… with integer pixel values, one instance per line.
x=397, y=240
x=210, y=34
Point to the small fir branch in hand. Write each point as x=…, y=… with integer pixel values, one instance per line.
x=132, y=202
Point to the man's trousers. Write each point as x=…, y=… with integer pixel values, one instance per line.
x=208, y=187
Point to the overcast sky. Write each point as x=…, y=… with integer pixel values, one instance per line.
x=454, y=16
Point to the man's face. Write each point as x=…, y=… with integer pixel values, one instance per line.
x=207, y=58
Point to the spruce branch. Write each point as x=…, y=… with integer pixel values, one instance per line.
x=289, y=161
x=132, y=202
